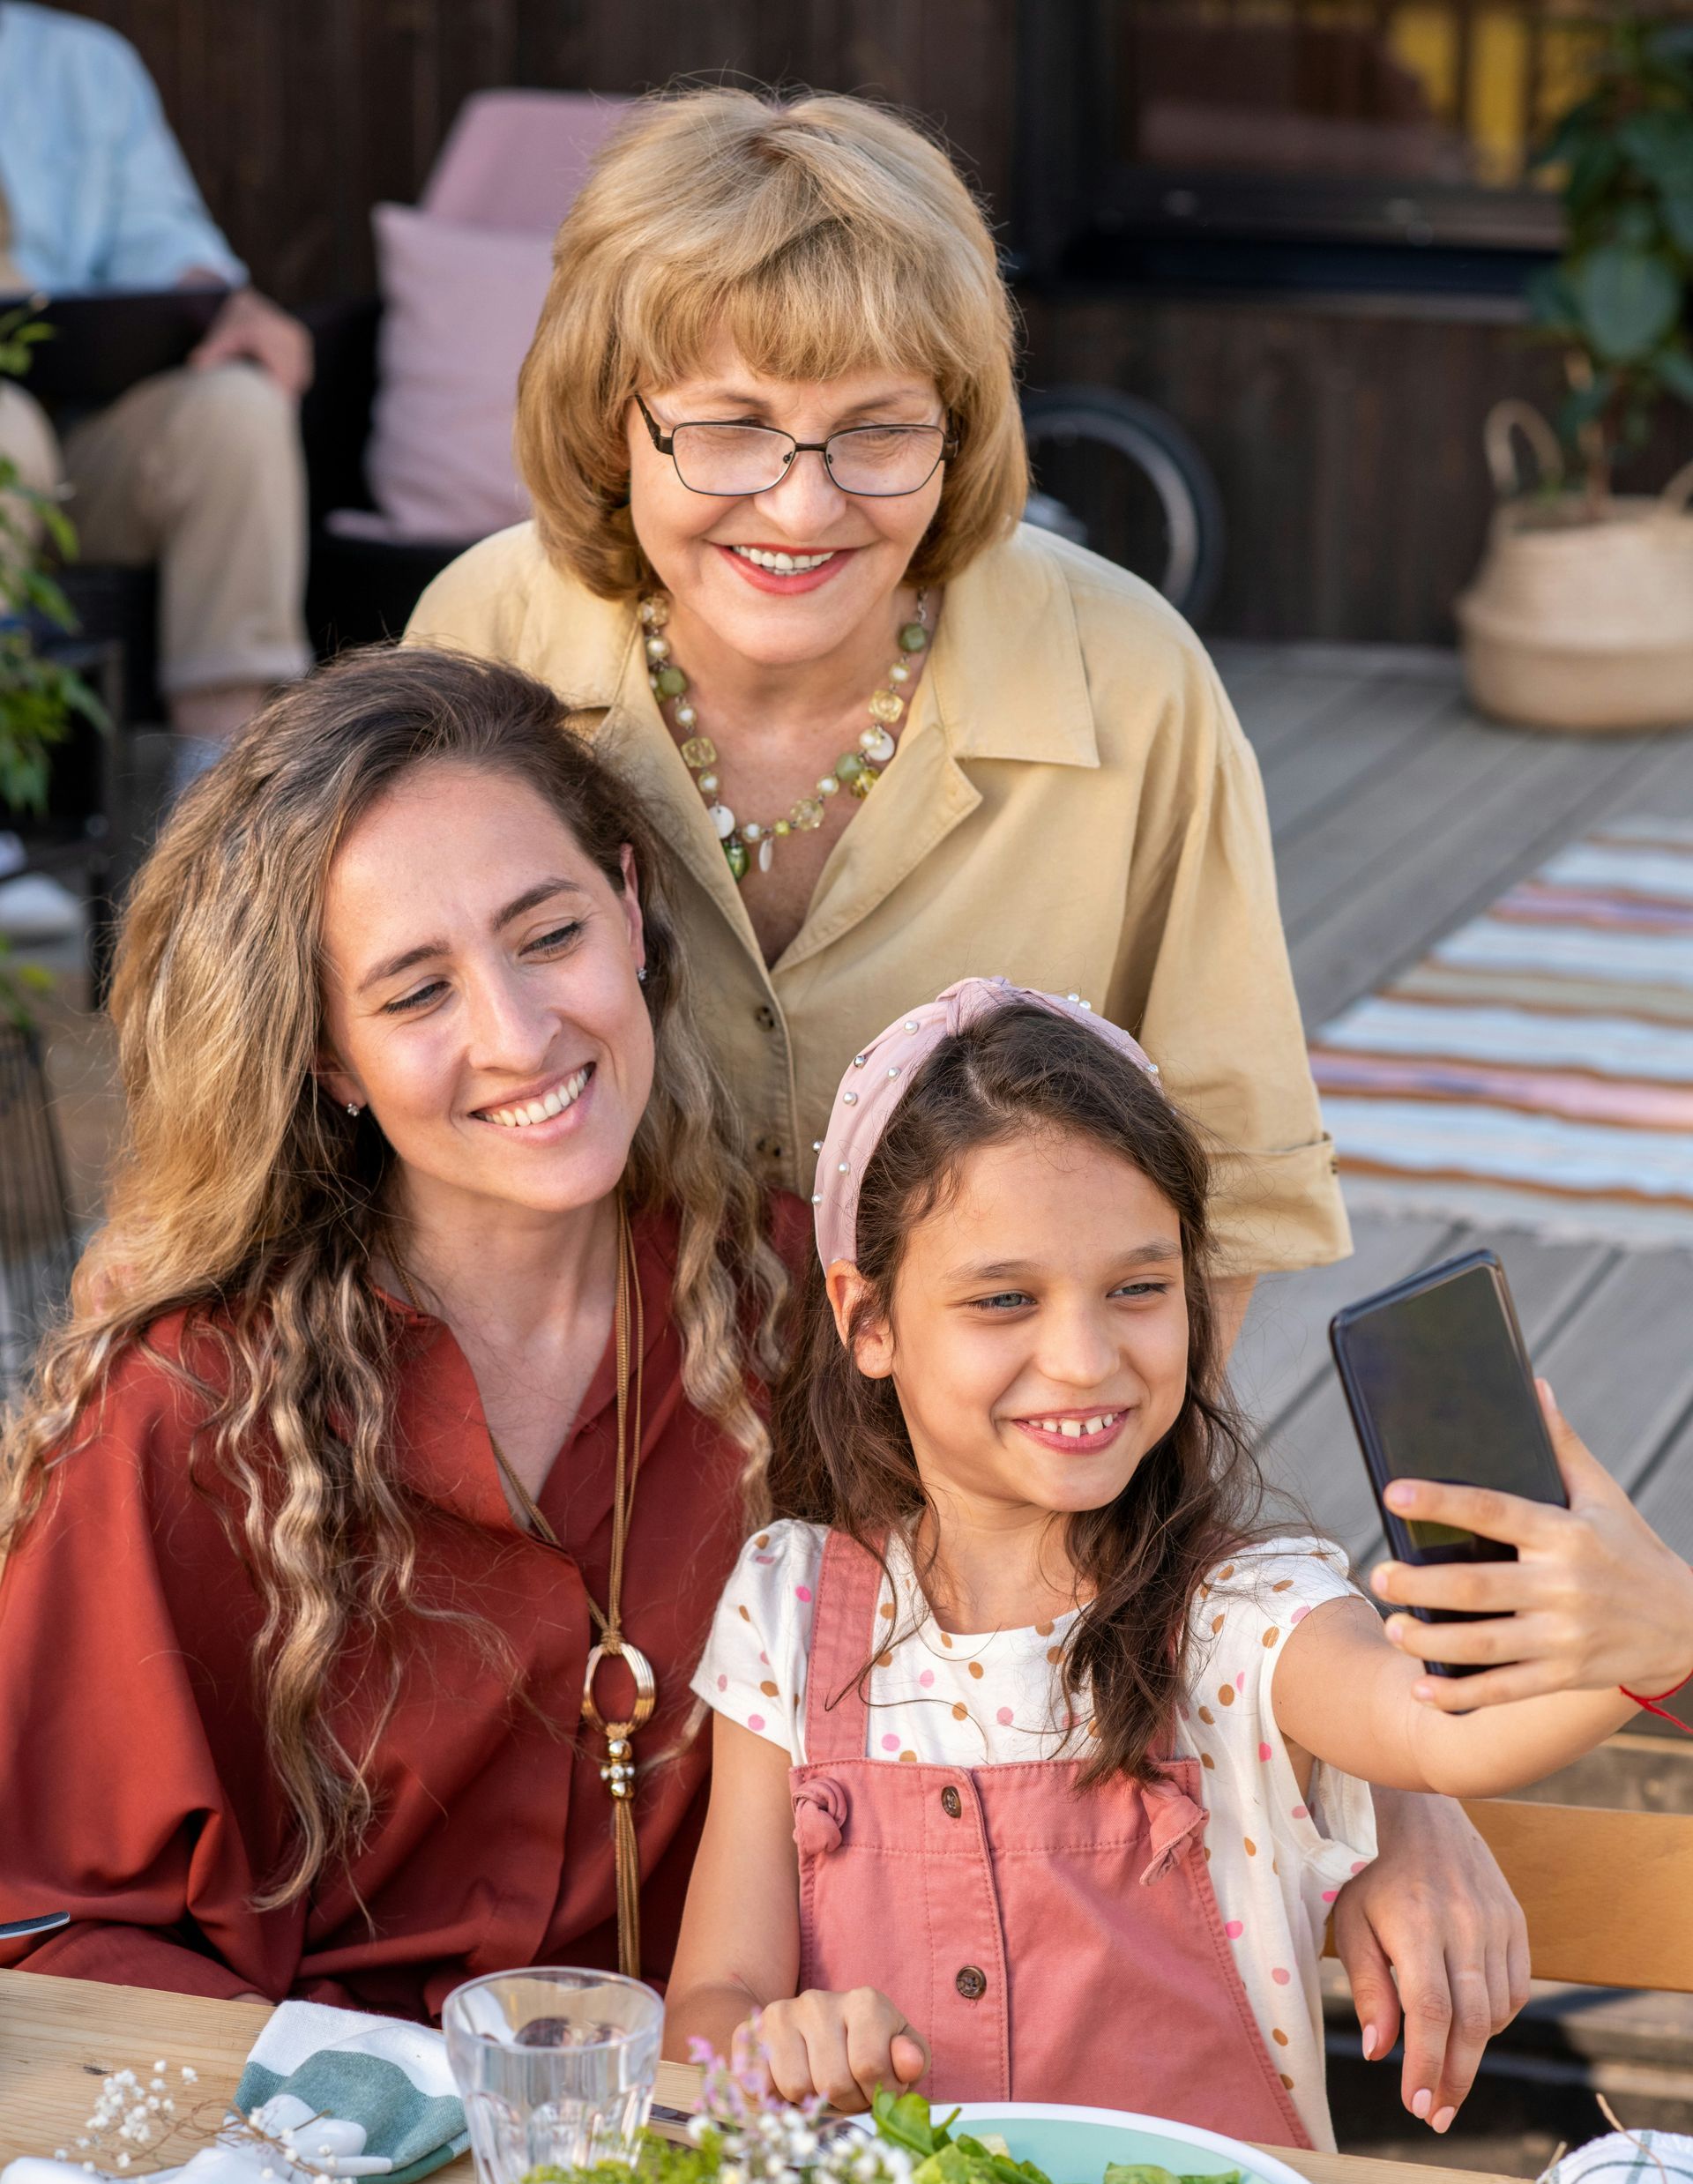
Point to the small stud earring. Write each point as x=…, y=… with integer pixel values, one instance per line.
x=641, y=974
x=354, y=1109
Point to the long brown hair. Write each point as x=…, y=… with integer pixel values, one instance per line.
x=248, y=1201
x=843, y=1455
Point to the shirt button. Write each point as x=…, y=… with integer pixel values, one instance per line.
x=764, y=1017
x=971, y=1984
x=951, y=1803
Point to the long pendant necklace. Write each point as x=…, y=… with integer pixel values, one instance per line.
x=617, y=1770
x=857, y=771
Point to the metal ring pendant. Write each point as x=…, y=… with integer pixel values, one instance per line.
x=646, y=1688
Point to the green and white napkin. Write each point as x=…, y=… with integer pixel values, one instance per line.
x=331, y=2076
x=349, y=2095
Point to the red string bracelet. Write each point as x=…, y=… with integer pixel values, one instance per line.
x=1651, y=1706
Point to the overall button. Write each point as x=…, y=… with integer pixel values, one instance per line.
x=770, y=1147
x=764, y=1017
x=971, y=1984
x=951, y=1803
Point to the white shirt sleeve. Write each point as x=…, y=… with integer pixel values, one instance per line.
x=753, y=1668
x=1319, y=1839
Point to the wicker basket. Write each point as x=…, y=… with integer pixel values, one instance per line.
x=1573, y=622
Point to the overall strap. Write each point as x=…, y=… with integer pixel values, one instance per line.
x=843, y=1641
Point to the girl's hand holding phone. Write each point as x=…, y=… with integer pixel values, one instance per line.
x=1595, y=1600
x=840, y=2045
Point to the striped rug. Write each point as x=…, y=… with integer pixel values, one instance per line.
x=1535, y=1070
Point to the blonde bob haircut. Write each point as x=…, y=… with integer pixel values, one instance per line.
x=820, y=236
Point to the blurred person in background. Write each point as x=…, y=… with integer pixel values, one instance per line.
x=200, y=469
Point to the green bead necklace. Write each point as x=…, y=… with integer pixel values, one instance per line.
x=857, y=771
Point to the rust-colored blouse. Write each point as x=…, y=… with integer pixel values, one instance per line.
x=135, y=1792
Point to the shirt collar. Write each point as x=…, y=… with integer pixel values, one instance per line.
x=1008, y=674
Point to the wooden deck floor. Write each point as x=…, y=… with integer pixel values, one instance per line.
x=1397, y=814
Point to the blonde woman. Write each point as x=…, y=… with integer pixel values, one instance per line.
x=431, y=1243
x=770, y=425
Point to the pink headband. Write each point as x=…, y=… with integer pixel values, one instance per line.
x=876, y=1081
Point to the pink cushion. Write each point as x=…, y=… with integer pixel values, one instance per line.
x=516, y=158
x=460, y=306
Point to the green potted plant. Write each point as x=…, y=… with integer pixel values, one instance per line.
x=1581, y=615
x=40, y=695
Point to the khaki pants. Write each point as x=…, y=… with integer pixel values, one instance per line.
x=203, y=472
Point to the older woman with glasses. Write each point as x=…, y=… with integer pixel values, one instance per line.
x=770, y=425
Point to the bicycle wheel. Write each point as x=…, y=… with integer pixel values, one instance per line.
x=1123, y=476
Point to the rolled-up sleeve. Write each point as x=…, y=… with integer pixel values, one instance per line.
x=1206, y=977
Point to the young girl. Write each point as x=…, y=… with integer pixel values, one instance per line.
x=1037, y=1765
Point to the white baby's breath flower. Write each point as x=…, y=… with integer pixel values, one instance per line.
x=61, y=2153
x=122, y=2161
x=189, y=2076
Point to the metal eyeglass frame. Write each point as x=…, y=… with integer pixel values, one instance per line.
x=665, y=444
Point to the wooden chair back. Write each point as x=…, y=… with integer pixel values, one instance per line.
x=1608, y=1896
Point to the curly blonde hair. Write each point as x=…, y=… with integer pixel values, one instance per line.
x=822, y=235
x=248, y=1201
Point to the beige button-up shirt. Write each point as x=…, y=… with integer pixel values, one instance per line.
x=1072, y=805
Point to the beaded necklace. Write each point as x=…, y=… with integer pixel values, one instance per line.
x=857, y=771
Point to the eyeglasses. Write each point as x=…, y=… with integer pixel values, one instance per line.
x=877, y=462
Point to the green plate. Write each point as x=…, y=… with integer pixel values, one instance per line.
x=1073, y=2145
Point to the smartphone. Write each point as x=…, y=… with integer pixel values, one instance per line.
x=1437, y=1379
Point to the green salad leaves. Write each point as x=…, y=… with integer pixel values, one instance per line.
x=1150, y=2172
x=906, y=2119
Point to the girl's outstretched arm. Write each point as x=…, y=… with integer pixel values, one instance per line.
x=1344, y=1694
x=740, y=1943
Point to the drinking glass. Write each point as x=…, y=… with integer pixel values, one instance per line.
x=553, y=2066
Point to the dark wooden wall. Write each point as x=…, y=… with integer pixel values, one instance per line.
x=1346, y=437
x=1346, y=440
x=297, y=115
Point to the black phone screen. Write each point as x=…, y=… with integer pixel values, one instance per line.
x=1449, y=1397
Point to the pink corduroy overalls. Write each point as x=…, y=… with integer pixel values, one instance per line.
x=1049, y=1944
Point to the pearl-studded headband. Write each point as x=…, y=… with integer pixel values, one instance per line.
x=876, y=1081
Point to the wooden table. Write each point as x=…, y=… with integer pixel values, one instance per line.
x=58, y=2038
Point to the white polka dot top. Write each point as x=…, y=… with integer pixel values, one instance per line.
x=1278, y=1860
